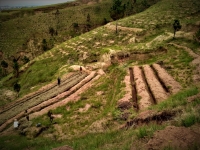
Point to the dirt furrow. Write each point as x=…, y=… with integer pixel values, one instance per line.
x=133, y=89
x=127, y=97
x=144, y=97
x=73, y=93
x=34, y=94
x=78, y=89
x=172, y=85
x=154, y=84
x=40, y=98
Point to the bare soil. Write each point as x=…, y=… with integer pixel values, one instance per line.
x=153, y=85
x=172, y=85
x=180, y=138
x=145, y=99
x=126, y=100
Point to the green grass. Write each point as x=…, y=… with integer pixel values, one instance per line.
x=179, y=99
x=100, y=106
x=189, y=120
x=79, y=125
x=147, y=131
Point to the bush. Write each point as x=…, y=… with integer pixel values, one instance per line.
x=189, y=120
x=142, y=132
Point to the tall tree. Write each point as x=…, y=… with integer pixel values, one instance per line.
x=176, y=26
x=16, y=66
x=117, y=10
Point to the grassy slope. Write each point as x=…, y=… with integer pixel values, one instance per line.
x=23, y=33
x=104, y=106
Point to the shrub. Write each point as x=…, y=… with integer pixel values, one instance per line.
x=189, y=120
x=142, y=132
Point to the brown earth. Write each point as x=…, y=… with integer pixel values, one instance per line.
x=173, y=85
x=180, y=138
x=63, y=148
x=153, y=85
x=141, y=87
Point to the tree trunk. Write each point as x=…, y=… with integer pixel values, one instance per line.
x=116, y=31
x=174, y=34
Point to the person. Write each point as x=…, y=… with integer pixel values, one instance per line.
x=26, y=114
x=16, y=124
x=81, y=69
x=50, y=116
x=58, y=81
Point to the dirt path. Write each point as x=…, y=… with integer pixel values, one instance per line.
x=113, y=27
x=190, y=52
x=195, y=62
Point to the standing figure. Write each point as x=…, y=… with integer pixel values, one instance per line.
x=81, y=69
x=26, y=114
x=16, y=124
x=59, y=81
x=50, y=116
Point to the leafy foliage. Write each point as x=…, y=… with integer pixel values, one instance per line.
x=17, y=87
x=117, y=10
x=197, y=36
x=177, y=26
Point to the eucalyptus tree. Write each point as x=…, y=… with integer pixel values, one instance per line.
x=117, y=10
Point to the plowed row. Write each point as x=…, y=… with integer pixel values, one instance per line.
x=153, y=85
x=43, y=98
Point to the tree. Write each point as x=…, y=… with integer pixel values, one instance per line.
x=197, y=36
x=25, y=59
x=88, y=18
x=117, y=10
x=4, y=65
x=177, y=26
x=17, y=88
x=16, y=66
x=52, y=32
x=57, y=18
x=44, y=45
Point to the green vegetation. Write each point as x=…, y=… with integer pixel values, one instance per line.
x=31, y=31
x=94, y=121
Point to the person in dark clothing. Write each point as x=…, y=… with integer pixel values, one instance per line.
x=50, y=116
x=81, y=69
x=26, y=114
x=59, y=81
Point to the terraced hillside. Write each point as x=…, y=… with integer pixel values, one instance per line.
x=145, y=90
x=44, y=97
x=150, y=85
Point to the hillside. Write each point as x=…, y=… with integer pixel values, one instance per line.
x=29, y=32
x=138, y=88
